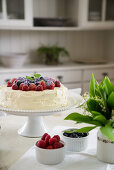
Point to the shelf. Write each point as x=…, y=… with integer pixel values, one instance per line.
x=23, y=28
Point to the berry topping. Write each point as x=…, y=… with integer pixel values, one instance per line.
x=43, y=84
x=41, y=144
x=57, y=84
x=39, y=88
x=32, y=87
x=9, y=84
x=52, y=141
x=49, y=147
x=57, y=137
x=14, y=87
x=34, y=83
x=21, y=85
x=44, y=136
x=51, y=86
x=13, y=80
x=47, y=139
x=25, y=87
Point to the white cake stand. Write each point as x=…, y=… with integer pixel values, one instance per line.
x=34, y=126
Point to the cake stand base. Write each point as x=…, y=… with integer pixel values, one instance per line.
x=33, y=127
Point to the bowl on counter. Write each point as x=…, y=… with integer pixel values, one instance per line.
x=13, y=60
x=75, y=142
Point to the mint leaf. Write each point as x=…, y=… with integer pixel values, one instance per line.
x=36, y=75
x=92, y=87
x=107, y=131
x=29, y=78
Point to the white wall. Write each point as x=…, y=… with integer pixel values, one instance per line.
x=79, y=44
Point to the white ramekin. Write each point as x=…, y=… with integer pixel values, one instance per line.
x=50, y=156
x=75, y=144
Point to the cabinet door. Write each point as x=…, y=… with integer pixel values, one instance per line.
x=16, y=12
x=98, y=73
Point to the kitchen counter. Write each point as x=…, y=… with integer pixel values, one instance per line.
x=13, y=146
x=68, y=66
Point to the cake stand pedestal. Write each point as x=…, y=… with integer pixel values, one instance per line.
x=34, y=126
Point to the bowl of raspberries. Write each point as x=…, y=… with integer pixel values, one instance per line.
x=75, y=141
x=50, y=150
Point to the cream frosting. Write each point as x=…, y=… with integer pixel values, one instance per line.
x=33, y=100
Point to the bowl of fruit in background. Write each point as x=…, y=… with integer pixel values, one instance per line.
x=50, y=150
x=75, y=141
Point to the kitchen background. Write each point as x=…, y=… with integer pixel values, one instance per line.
x=85, y=28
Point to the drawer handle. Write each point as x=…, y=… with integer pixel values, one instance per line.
x=104, y=74
x=60, y=78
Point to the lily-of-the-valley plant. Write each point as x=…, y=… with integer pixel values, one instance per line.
x=99, y=107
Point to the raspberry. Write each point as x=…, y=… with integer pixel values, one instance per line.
x=13, y=79
x=57, y=137
x=49, y=147
x=39, y=88
x=43, y=84
x=47, y=139
x=41, y=144
x=52, y=141
x=9, y=84
x=21, y=85
x=25, y=87
x=58, y=145
x=32, y=87
x=44, y=136
x=57, y=84
x=14, y=87
x=52, y=85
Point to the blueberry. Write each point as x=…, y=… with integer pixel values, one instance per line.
x=36, y=84
x=66, y=134
x=75, y=135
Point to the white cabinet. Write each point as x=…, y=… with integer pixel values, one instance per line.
x=15, y=12
x=96, y=13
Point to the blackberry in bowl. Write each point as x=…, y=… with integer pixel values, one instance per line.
x=75, y=141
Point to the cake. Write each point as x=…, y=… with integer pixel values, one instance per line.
x=33, y=93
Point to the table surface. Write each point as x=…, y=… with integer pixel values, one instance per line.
x=13, y=146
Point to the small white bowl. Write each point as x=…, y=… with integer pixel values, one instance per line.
x=50, y=156
x=14, y=60
x=75, y=144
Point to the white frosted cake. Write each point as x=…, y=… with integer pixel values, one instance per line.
x=32, y=94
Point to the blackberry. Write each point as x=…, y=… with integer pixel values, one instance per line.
x=18, y=83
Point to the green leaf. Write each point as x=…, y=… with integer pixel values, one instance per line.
x=108, y=86
x=94, y=105
x=100, y=118
x=107, y=131
x=92, y=87
x=36, y=75
x=82, y=119
x=95, y=113
x=29, y=78
x=81, y=130
x=86, y=129
x=111, y=100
